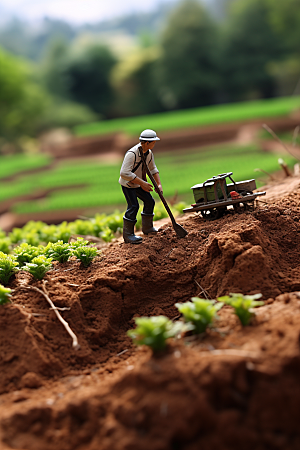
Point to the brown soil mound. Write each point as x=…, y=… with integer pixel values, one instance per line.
x=233, y=388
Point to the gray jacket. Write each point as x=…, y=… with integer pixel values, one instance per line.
x=132, y=167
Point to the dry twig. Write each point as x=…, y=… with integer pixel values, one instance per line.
x=295, y=135
x=279, y=140
x=264, y=171
x=203, y=291
x=44, y=292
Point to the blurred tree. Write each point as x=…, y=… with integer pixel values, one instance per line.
x=250, y=44
x=80, y=75
x=55, y=67
x=22, y=101
x=30, y=41
x=285, y=19
x=88, y=73
x=135, y=83
x=188, y=68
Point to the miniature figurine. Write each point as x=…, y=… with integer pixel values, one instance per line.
x=134, y=185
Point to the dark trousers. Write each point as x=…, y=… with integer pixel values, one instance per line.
x=132, y=195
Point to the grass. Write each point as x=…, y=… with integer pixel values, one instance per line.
x=12, y=164
x=178, y=171
x=196, y=117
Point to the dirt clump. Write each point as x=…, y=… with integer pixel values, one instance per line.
x=230, y=388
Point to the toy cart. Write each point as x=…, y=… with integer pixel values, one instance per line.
x=214, y=196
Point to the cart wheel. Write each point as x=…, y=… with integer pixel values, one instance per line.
x=249, y=206
x=240, y=208
x=213, y=214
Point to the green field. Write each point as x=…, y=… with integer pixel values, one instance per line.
x=179, y=171
x=12, y=164
x=188, y=118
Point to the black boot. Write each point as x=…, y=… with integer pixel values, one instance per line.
x=147, y=224
x=128, y=232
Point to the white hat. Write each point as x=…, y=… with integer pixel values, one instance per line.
x=148, y=135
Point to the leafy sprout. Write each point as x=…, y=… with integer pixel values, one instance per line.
x=26, y=252
x=58, y=251
x=5, y=245
x=4, y=295
x=80, y=242
x=8, y=266
x=39, y=266
x=199, y=312
x=107, y=235
x=154, y=331
x=85, y=254
x=242, y=305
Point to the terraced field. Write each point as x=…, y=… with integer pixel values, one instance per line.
x=196, y=117
x=98, y=182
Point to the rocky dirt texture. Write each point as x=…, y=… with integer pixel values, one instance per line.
x=231, y=388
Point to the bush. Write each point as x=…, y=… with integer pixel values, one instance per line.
x=199, y=312
x=8, y=266
x=153, y=331
x=39, y=266
x=242, y=305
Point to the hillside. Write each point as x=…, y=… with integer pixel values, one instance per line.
x=230, y=388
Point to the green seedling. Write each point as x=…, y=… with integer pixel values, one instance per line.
x=8, y=266
x=84, y=227
x=80, y=242
x=39, y=266
x=4, y=295
x=26, y=252
x=85, y=254
x=5, y=245
x=154, y=331
x=107, y=235
x=242, y=305
x=63, y=232
x=199, y=312
x=58, y=251
x=16, y=235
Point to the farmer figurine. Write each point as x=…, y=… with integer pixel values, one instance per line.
x=134, y=185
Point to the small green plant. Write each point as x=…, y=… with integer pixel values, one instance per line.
x=80, y=242
x=58, y=251
x=5, y=245
x=153, y=331
x=85, y=254
x=199, y=312
x=107, y=235
x=16, y=235
x=4, y=295
x=84, y=227
x=242, y=305
x=26, y=252
x=39, y=266
x=8, y=266
x=63, y=232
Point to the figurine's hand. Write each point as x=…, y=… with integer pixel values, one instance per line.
x=160, y=188
x=147, y=186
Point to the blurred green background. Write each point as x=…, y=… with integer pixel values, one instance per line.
x=185, y=64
